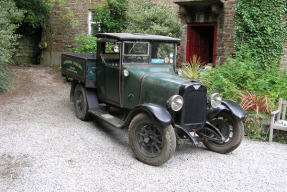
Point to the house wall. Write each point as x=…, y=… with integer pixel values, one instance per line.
x=63, y=39
x=219, y=14
x=222, y=15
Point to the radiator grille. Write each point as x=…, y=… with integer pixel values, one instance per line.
x=194, y=110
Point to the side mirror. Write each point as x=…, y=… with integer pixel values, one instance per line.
x=179, y=72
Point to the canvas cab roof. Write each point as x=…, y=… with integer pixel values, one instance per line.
x=137, y=37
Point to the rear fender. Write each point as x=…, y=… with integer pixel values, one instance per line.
x=158, y=113
x=92, y=98
x=91, y=95
x=229, y=106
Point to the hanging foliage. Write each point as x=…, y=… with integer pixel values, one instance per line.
x=259, y=30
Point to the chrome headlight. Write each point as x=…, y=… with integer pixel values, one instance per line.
x=126, y=73
x=215, y=100
x=175, y=102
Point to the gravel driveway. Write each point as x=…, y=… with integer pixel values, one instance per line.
x=44, y=147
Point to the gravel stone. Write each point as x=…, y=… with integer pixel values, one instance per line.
x=44, y=147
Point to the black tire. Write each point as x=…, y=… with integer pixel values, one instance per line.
x=231, y=128
x=80, y=103
x=151, y=143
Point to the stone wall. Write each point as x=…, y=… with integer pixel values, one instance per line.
x=283, y=63
x=225, y=31
x=27, y=51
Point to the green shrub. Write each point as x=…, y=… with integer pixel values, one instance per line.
x=9, y=15
x=85, y=44
x=246, y=75
x=254, y=124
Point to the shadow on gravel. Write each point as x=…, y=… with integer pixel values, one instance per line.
x=119, y=136
x=189, y=148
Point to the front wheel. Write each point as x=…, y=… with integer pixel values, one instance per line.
x=151, y=143
x=231, y=128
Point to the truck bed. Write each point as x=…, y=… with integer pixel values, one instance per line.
x=81, y=67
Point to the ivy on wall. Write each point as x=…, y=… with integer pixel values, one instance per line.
x=259, y=30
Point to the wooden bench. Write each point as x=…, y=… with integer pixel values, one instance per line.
x=277, y=118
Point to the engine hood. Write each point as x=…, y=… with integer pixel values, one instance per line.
x=153, y=84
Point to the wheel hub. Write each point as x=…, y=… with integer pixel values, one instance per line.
x=150, y=140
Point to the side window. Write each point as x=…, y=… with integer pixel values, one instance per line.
x=94, y=27
x=110, y=56
x=162, y=53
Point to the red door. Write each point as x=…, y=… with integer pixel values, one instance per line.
x=201, y=42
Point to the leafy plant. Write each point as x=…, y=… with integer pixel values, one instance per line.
x=254, y=124
x=191, y=70
x=85, y=44
x=255, y=102
x=150, y=17
x=9, y=15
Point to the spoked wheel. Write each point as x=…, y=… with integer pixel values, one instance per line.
x=80, y=103
x=151, y=143
x=231, y=128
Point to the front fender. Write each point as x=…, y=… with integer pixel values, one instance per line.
x=229, y=106
x=157, y=112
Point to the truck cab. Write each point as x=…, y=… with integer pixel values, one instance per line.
x=131, y=83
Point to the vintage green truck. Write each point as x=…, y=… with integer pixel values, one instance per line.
x=131, y=82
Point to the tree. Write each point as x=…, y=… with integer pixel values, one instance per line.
x=9, y=17
x=146, y=16
x=111, y=16
x=36, y=12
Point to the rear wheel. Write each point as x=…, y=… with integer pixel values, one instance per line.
x=231, y=128
x=80, y=103
x=151, y=143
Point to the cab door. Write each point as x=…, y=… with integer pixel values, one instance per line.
x=108, y=75
x=112, y=82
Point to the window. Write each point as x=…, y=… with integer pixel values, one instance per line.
x=94, y=27
x=110, y=56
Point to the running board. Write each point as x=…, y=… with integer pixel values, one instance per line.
x=106, y=117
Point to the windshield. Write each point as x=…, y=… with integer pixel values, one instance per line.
x=136, y=52
x=162, y=53
x=149, y=53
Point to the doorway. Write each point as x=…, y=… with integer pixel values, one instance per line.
x=201, y=41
